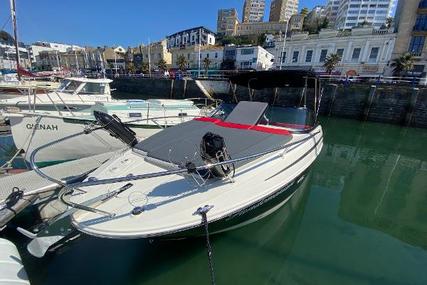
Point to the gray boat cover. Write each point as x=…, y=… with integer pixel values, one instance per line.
x=181, y=144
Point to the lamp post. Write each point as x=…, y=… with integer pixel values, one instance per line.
x=284, y=44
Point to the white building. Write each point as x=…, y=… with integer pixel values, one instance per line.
x=191, y=37
x=39, y=46
x=253, y=57
x=354, y=12
x=362, y=50
x=253, y=11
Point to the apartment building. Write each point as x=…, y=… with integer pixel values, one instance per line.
x=227, y=22
x=282, y=10
x=411, y=24
x=253, y=11
x=354, y=12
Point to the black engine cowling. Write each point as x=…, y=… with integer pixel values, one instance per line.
x=116, y=128
x=213, y=150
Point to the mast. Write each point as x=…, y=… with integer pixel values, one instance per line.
x=15, y=33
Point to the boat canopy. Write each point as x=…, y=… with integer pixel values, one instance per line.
x=90, y=80
x=277, y=78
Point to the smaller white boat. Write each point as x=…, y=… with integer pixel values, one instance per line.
x=73, y=94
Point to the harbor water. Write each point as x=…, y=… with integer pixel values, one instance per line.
x=360, y=217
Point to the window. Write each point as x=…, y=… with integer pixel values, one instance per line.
x=295, y=56
x=374, y=54
x=246, y=51
x=340, y=52
x=283, y=57
x=323, y=55
x=309, y=56
x=356, y=54
x=417, y=45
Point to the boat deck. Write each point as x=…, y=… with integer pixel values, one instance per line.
x=35, y=187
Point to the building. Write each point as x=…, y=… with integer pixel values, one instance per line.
x=352, y=13
x=362, y=50
x=247, y=57
x=247, y=29
x=296, y=22
x=78, y=59
x=282, y=10
x=191, y=37
x=253, y=11
x=411, y=24
x=155, y=52
x=227, y=22
x=213, y=53
x=332, y=11
x=8, y=53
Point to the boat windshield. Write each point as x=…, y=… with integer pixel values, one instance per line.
x=288, y=117
x=70, y=86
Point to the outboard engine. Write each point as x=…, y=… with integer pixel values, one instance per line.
x=116, y=128
x=213, y=150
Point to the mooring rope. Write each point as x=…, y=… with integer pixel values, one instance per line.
x=202, y=212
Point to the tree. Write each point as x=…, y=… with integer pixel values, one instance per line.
x=331, y=62
x=389, y=22
x=145, y=67
x=304, y=11
x=162, y=65
x=403, y=64
x=206, y=63
x=130, y=68
x=261, y=39
x=182, y=63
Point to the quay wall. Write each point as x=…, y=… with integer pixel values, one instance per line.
x=395, y=104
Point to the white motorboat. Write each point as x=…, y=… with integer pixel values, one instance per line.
x=72, y=95
x=11, y=87
x=226, y=170
x=30, y=130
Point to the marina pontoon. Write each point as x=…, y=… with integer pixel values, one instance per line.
x=232, y=168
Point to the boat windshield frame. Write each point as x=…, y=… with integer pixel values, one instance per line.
x=80, y=87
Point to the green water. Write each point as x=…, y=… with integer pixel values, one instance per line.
x=359, y=218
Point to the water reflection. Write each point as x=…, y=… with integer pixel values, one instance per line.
x=381, y=172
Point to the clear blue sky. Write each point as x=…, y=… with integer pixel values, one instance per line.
x=107, y=22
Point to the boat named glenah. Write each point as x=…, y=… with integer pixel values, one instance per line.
x=42, y=127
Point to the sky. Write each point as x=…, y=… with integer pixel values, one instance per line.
x=112, y=23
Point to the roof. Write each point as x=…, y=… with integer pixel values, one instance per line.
x=273, y=79
x=90, y=80
x=191, y=29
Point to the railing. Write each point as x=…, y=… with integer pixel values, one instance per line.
x=178, y=170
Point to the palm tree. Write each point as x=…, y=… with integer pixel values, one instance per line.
x=331, y=62
x=182, y=63
x=162, y=65
x=304, y=11
x=206, y=63
x=145, y=67
x=403, y=64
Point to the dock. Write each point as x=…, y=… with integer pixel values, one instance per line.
x=19, y=191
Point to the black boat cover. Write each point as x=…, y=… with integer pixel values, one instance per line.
x=276, y=78
x=181, y=144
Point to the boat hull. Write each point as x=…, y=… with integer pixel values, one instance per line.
x=31, y=131
x=249, y=214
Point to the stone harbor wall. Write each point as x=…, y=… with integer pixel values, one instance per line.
x=395, y=104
